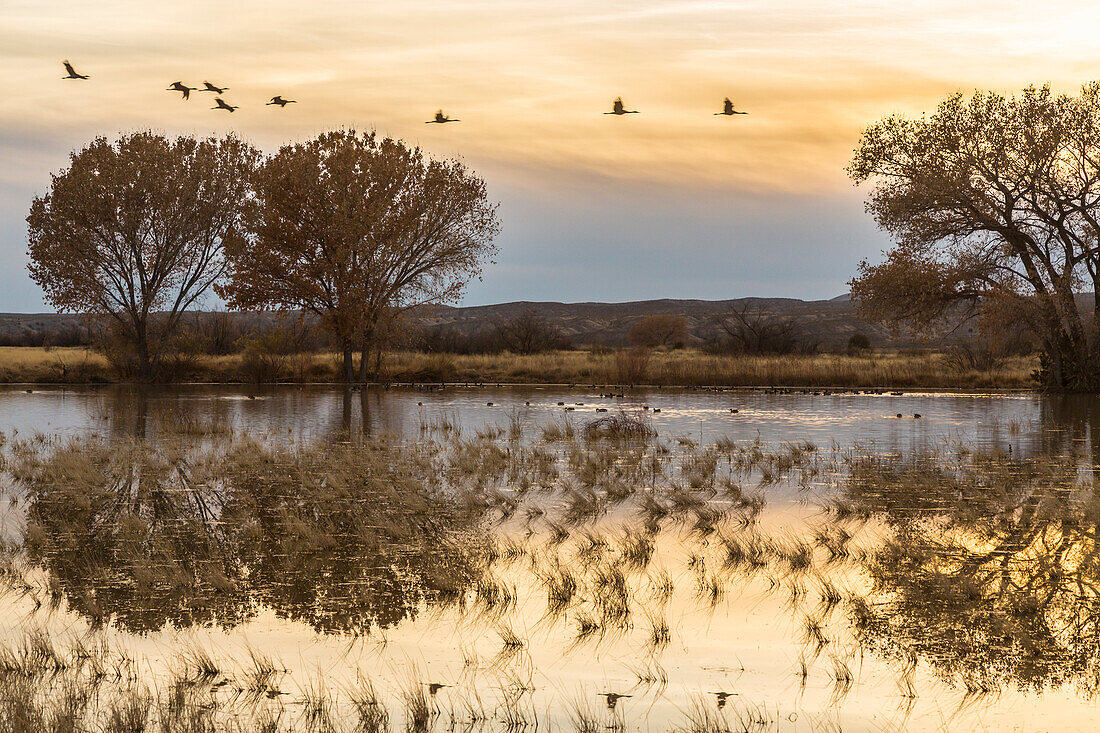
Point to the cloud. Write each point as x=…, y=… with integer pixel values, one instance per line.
x=531, y=82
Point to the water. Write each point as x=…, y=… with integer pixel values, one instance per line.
x=901, y=602
x=322, y=412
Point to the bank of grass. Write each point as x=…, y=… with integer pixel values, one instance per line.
x=666, y=368
x=62, y=365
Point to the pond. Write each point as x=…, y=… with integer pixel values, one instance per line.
x=473, y=558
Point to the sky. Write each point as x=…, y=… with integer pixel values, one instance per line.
x=673, y=202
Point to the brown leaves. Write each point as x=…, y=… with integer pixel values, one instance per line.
x=135, y=227
x=991, y=198
x=353, y=227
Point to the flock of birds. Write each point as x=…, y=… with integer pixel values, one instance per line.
x=617, y=107
x=179, y=86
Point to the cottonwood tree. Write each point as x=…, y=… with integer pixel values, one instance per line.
x=994, y=203
x=134, y=231
x=357, y=228
x=745, y=330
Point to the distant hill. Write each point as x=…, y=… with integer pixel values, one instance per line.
x=831, y=322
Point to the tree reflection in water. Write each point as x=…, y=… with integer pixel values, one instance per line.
x=990, y=568
x=342, y=537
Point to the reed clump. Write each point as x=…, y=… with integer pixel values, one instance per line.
x=618, y=427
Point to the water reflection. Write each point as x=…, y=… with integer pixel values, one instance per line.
x=990, y=571
x=321, y=412
x=979, y=565
x=341, y=537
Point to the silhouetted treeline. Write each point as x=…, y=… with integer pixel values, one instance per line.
x=62, y=336
x=524, y=333
x=741, y=330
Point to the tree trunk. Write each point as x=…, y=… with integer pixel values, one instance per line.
x=145, y=363
x=377, y=373
x=349, y=366
x=364, y=353
x=364, y=357
x=1071, y=365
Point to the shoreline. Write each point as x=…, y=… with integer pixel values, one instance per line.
x=676, y=369
x=244, y=387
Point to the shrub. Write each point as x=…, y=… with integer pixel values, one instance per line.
x=618, y=427
x=858, y=344
x=744, y=331
x=978, y=357
x=530, y=333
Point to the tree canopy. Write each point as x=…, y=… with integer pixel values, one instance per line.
x=355, y=228
x=994, y=205
x=134, y=230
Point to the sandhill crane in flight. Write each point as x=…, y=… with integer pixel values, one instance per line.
x=211, y=88
x=179, y=86
x=280, y=101
x=727, y=109
x=618, y=109
x=441, y=119
x=222, y=104
x=72, y=72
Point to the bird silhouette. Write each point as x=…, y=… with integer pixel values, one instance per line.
x=727, y=109
x=434, y=687
x=722, y=697
x=612, y=698
x=222, y=104
x=179, y=86
x=72, y=72
x=441, y=119
x=280, y=101
x=211, y=88
x=618, y=109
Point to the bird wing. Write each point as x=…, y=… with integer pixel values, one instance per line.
x=69, y=68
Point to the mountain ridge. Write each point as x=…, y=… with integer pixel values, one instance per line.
x=592, y=323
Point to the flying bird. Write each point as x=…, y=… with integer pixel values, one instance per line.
x=221, y=104
x=179, y=86
x=72, y=72
x=280, y=101
x=618, y=109
x=211, y=88
x=727, y=109
x=441, y=119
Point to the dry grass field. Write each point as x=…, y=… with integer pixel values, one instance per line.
x=666, y=368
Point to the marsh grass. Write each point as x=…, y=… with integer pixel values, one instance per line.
x=702, y=716
x=418, y=711
x=683, y=367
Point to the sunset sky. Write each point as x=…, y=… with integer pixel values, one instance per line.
x=673, y=202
